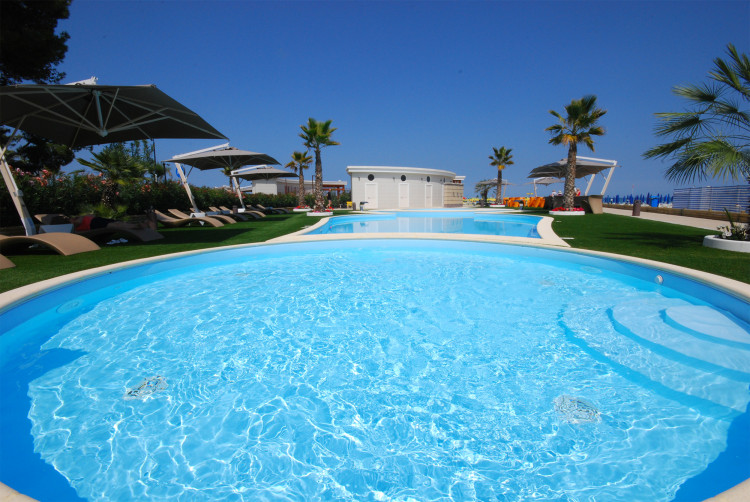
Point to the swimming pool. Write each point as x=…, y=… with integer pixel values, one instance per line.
x=375, y=370
x=444, y=222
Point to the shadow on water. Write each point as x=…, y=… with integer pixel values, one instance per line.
x=20, y=467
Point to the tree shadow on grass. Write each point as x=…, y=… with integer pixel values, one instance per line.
x=654, y=239
x=201, y=235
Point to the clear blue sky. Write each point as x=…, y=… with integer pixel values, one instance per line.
x=421, y=84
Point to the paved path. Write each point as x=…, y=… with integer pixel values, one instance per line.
x=671, y=218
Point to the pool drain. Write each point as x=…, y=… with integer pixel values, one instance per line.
x=146, y=388
x=576, y=410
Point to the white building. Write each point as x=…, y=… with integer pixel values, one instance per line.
x=383, y=187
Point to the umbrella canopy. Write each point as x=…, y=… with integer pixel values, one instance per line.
x=231, y=157
x=547, y=181
x=261, y=173
x=83, y=115
x=584, y=167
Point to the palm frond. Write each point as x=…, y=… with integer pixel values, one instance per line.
x=679, y=124
x=700, y=94
x=718, y=158
x=667, y=149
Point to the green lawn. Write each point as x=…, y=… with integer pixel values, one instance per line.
x=674, y=244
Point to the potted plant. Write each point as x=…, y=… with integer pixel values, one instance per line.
x=733, y=237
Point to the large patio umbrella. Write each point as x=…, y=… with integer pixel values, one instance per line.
x=222, y=157
x=545, y=181
x=585, y=166
x=87, y=114
x=258, y=173
x=261, y=173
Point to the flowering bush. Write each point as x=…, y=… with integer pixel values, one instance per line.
x=734, y=231
x=565, y=209
x=76, y=193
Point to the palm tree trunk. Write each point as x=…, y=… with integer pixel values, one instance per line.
x=499, y=196
x=319, y=204
x=301, y=189
x=570, y=177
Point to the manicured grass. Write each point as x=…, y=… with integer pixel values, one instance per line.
x=675, y=244
x=653, y=240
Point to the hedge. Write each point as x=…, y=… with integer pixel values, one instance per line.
x=75, y=194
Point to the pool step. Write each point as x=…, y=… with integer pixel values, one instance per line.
x=660, y=325
x=666, y=371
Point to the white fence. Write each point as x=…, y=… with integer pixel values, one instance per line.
x=734, y=198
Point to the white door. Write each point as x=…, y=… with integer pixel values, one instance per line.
x=403, y=196
x=428, y=195
x=371, y=195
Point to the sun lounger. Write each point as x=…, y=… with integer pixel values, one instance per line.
x=101, y=234
x=271, y=210
x=235, y=216
x=6, y=263
x=63, y=243
x=224, y=219
x=249, y=210
x=169, y=221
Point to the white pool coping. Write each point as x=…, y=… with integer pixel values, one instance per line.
x=549, y=240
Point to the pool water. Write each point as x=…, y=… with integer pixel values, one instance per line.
x=377, y=370
x=450, y=222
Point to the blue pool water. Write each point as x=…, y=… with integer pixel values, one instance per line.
x=450, y=222
x=375, y=370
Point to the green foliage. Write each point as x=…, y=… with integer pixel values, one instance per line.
x=713, y=138
x=30, y=47
x=118, y=167
x=734, y=231
x=482, y=188
x=36, y=154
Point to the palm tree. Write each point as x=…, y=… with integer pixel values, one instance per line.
x=714, y=138
x=117, y=167
x=577, y=127
x=300, y=161
x=501, y=157
x=317, y=135
x=482, y=188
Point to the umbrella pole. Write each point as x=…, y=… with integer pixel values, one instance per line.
x=184, y=181
x=15, y=193
x=239, y=192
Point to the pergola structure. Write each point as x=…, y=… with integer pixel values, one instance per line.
x=585, y=166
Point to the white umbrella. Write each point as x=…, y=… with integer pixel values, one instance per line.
x=220, y=157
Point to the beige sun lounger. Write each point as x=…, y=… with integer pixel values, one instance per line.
x=271, y=210
x=224, y=219
x=169, y=221
x=252, y=212
x=234, y=216
x=63, y=243
x=6, y=263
